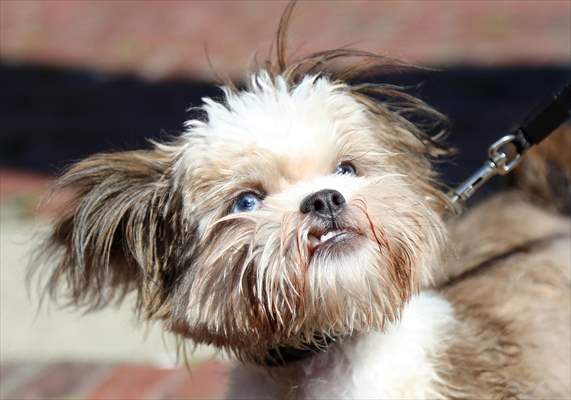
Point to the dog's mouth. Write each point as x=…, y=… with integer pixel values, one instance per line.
x=321, y=240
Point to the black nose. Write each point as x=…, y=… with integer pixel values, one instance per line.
x=325, y=203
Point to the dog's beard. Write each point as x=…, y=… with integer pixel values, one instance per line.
x=267, y=279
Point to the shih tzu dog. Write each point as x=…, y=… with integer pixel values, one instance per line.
x=299, y=225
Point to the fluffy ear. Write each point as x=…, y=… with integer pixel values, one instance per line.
x=118, y=232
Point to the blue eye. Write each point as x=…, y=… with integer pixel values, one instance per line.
x=345, y=168
x=247, y=202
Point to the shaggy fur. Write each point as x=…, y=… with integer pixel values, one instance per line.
x=160, y=223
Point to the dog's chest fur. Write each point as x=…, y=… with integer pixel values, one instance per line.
x=398, y=363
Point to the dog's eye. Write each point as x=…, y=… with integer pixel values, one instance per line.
x=248, y=201
x=345, y=168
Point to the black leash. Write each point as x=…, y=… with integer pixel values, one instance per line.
x=505, y=154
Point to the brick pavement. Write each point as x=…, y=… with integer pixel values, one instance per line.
x=164, y=38
x=89, y=381
x=22, y=192
x=13, y=183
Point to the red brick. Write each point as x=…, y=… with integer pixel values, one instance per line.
x=159, y=39
x=130, y=382
x=56, y=381
x=30, y=192
x=205, y=381
x=15, y=183
x=14, y=376
x=8, y=370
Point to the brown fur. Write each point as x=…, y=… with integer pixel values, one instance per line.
x=510, y=285
x=119, y=231
x=513, y=300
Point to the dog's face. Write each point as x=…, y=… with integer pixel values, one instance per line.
x=293, y=210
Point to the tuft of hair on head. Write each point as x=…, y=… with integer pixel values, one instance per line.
x=351, y=66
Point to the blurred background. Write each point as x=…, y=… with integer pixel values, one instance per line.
x=79, y=77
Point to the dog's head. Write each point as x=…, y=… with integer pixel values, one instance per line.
x=300, y=206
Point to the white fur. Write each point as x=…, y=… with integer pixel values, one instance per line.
x=395, y=364
x=293, y=121
x=276, y=116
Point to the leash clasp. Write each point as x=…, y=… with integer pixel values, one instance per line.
x=500, y=154
x=503, y=156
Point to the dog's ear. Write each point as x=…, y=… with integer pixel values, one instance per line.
x=116, y=233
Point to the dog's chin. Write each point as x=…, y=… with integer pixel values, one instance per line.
x=336, y=280
x=348, y=287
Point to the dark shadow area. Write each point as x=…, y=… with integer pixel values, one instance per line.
x=52, y=117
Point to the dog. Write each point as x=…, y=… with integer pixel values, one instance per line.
x=299, y=225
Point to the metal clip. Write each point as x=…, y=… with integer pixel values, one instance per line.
x=501, y=157
x=500, y=162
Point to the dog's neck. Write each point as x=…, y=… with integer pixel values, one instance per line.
x=283, y=356
x=396, y=362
